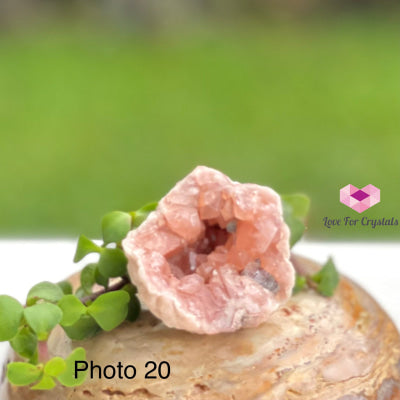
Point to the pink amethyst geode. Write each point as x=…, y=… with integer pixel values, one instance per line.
x=214, y=256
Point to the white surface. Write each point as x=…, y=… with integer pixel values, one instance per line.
x=375, y=266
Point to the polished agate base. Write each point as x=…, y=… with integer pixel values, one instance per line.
x=340, y=348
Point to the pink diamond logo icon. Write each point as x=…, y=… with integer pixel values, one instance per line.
x=360, y=199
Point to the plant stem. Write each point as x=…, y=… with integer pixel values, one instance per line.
x=117, y=286
x=43, y=351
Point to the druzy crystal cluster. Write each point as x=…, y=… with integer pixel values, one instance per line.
x=214, y=256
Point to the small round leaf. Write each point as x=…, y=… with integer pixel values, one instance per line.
x=133, y=309
x=112, y=263
x=100, y=279
x=65, y=286
x=295, y=208
x=11, y=312
x=25, y=343
x=131, y=289
x=140, y=215
x=72, y=309
x=55, y=366
x=134, y=303
x=85, y=328
x=327, y=279
x=46, y=383
x=115, y=226
x=88, y=278
x=67, y=378
x=44, y=290
x=84, y=247
x=110, y=309
x=300, y=284
x=300, y=204
x=42, y=318
x=80, y=293
x=22, y=373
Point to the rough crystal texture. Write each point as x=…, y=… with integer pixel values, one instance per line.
x=214, y=256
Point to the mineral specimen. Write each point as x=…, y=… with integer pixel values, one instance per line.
x=214, y=256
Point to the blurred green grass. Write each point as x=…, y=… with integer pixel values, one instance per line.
x=94, y=120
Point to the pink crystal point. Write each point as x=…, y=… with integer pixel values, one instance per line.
x=214, y=256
